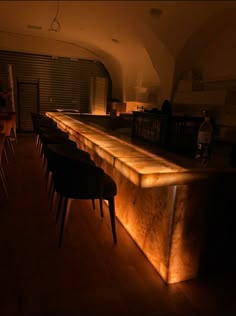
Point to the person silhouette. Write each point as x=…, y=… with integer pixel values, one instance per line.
x=166, y=107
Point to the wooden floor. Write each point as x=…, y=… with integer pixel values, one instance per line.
x=89, y=275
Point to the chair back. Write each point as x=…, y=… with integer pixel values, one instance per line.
x=82, y=181
x=61, y=156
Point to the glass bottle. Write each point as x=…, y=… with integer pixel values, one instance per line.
x=204, y=140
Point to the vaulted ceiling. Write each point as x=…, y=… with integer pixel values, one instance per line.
x=141, y=41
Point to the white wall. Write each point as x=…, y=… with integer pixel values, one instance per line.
x=39, y=45
x=212, y=51
x=139, y=76
x=218, y=60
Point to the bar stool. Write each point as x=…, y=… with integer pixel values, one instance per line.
x=66, y=147
x=52, y=152
x=57, y=155
x=84, y=181
x=54, y=138
x=41, y=124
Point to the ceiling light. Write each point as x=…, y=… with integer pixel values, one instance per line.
x=155, y=12
x=34, y=27
x=114, y=40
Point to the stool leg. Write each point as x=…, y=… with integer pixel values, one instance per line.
x=36, y=140
x=14, y=134
x=2, y=173
x=5, y=154
x=44, y=162
x=65, y=214
x=48, y=177
x=111, y=204
x=52, y=199
x=50, y=185
x=38, y=144
x=10, y=143
x=41, y=150
x=101, y=208
x=3, y=181
x=59, y=207
x=93, y=202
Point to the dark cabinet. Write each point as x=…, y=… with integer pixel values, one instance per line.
x=183, y=131
x=175, y=133
x=150, y=127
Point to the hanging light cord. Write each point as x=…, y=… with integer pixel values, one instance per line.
x=55, y=25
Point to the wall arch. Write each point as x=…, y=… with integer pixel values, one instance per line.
x=201, y=40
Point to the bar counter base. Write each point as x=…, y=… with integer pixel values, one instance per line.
x=168, y=223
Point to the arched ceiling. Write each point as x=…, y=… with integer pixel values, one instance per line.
x=96, y=24
x=118, y=33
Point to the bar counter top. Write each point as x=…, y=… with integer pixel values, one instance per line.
x=144, y=165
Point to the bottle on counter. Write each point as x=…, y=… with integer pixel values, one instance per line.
x=204, y=140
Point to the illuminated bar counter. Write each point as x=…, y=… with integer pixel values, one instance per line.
x=162, y=204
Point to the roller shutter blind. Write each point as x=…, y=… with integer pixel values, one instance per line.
x=63, y=82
